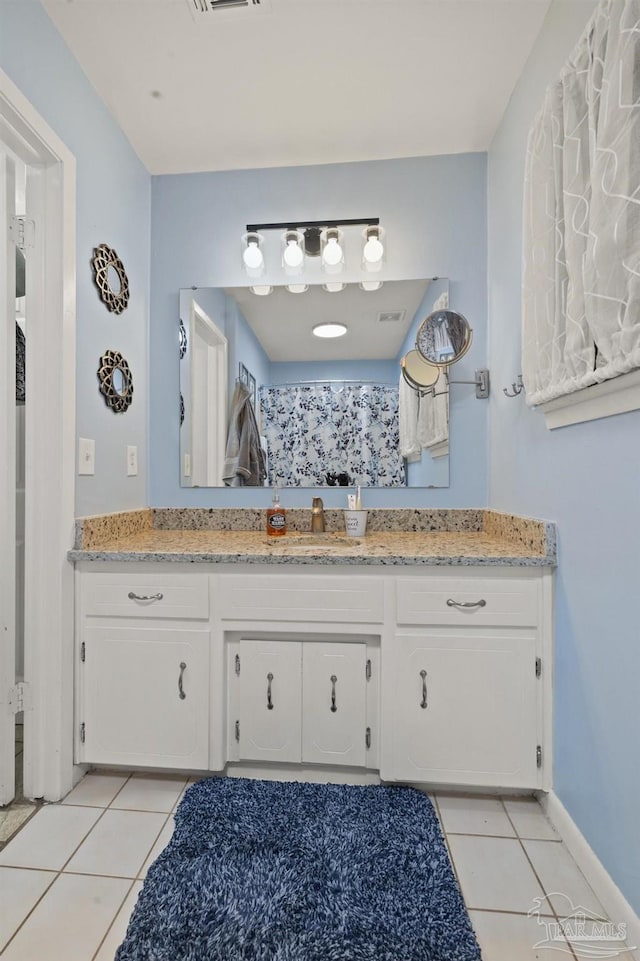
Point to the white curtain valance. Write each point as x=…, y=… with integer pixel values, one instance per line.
x=581, y=225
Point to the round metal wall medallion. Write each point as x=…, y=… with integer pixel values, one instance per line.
x=110, y=278
x=116, y=382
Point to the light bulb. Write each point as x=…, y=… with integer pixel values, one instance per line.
x=371, y=284
x=261, y=290
x=373, y=251
x=297, y=288
x=334, y=287
x=252, y=256
x=293, y=255
x=332, y=253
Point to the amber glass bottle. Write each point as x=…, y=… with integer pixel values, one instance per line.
x=276, y=517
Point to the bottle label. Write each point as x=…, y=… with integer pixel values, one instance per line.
x=277, y=521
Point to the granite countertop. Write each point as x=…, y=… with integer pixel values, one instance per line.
x=481, y=538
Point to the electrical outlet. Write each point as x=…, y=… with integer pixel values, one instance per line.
x=132, y=461
x=86, y=455
x=187, y=465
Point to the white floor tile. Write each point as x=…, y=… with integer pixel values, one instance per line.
x=118, y=930
x=613, y=950
x=96, y=790
x=494, y=873
x=118, y=845
x=144, y=793
x=562, y=880
x=529, y=819
x=158, y=847
x=51, y=836
x=20, y=889
x=70, y=921
x=513, y=937
x=474, y=815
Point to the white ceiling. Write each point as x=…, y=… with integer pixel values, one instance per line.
x=301, y=81
x=283, y=322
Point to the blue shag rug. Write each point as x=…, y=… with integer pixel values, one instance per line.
x=273, y=871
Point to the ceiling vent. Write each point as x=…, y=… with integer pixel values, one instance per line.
x=391, y=316
x=210, y=11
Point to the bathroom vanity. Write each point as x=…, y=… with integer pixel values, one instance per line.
x=412, y=656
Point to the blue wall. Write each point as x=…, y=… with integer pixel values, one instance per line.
x=434, y=212
x=585, y=478
x=113, y=207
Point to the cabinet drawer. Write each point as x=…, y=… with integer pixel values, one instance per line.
x=492, y=602
x=280, y=598
x=184, y=596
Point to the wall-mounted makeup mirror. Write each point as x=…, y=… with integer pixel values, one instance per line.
x=443, y=338
x=327, y=408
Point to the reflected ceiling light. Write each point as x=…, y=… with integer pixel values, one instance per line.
x=261, y=290
x=332, y=255
x=293, y=251
x=329, y=330
x=373, y=249
x=334, y=286
x=252, y=256
x=371, y=284
x=297, y=288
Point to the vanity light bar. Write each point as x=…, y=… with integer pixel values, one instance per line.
x=289, y=225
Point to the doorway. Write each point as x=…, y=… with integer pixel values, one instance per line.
x=37, y=452
x=208, y=407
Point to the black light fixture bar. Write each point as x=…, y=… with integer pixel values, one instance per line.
x=294, y=225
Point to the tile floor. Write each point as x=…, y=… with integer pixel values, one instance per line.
x=70, y=877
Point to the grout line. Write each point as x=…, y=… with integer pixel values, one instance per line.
x=113, y=921
x=538, y=878
x=4, y=947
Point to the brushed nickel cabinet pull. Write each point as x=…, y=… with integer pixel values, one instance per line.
x=423, y=702
x=144, y=597
x=452, y=603
x=181, y=693
x=334, y=680
x=269, y=701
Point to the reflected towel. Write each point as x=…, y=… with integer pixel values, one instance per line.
x=408, y=421
x=244, y=461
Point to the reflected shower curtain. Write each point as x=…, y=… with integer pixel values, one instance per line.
x=317, y=431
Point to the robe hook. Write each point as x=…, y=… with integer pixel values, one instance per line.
x=517, y=386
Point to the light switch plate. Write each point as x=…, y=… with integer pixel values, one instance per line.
x=86, y=455
x=132, y=461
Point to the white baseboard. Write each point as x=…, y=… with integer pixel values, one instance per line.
x=611, y=898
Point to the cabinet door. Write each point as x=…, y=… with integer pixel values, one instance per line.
x=146, y=697
x=464, y=710
x=270, y=700
x=334, y=688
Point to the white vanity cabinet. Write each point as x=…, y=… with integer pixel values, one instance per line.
x=429, y=675
x=464, y=694
x=142, y=684
x=300, y=701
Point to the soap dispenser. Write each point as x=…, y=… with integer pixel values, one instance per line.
x=276, y=517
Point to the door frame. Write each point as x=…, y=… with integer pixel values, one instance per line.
x=49, y=446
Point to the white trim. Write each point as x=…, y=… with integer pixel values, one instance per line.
x=50, y=446
x=7, y=478
x=615, y=396
x=610, y=896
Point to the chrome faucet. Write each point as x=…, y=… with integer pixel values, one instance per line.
x=317, y=516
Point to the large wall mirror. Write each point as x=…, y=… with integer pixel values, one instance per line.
x=329, y=411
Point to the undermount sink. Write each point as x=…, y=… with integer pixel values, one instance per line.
x=327, y=541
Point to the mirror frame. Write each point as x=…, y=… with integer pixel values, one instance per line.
x=111, y=361
x=103, y=258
